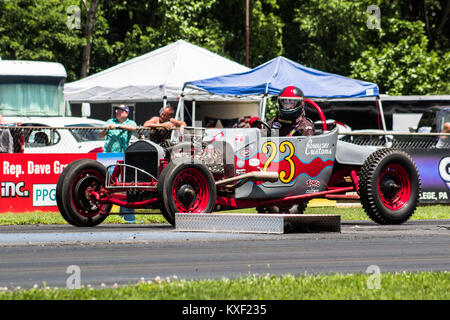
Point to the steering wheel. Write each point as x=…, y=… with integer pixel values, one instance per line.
x=267, y=127
x=320, y=112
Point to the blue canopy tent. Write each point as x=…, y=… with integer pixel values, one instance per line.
x=271, y=77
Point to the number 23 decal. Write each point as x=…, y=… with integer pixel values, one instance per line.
x=283, y=147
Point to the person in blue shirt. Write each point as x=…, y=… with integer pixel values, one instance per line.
x=118, y=133
x=118, y=130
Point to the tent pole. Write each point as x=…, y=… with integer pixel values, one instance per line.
x=164, y=101
x=383, y=122
x=177, y=112
x=181, y=110
x=193, y=112
x=263, y=108
x=179, y=107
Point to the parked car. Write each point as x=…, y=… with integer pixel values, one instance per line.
x=49, y=134
x=433, y=120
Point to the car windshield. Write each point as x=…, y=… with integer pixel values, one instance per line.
x=445, y=117
x=88, y=134
x=427, y=120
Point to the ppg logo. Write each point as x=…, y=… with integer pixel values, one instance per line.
x=444, y=170
x=44, y=195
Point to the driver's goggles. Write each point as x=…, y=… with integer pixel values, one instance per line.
x=290, y=103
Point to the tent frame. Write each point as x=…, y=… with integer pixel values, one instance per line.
x=263, y=105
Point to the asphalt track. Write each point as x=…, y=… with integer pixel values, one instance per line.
x=109, y=254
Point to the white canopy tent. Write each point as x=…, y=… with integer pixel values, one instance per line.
x=152, y=76
x=159, y=76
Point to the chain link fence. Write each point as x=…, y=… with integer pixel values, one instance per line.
x=40, y=139
x=398, y=140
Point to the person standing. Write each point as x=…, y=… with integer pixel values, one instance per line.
x=166, y=119
x=118, y=133
x=118, y=130
x=162, y=125
x=6, y=139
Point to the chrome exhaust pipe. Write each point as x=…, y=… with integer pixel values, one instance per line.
x=250, y=176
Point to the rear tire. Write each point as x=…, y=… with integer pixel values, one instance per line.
x=72, y=195
x=185, y=187
x=60, y=193
x=389, y=186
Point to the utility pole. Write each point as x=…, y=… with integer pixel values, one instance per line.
x=247, y=33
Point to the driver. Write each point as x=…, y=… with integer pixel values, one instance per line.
x=291, y=120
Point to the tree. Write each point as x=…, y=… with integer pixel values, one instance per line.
x=138, y=27
x=406, y=66
x=434, y=14
x=265, y=29
x=91, y=11
x=37, y=30
x=334, y=36
x=329, y=35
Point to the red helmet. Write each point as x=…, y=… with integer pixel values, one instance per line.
x=290, y=103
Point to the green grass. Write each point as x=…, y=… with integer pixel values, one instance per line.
x=422, y=212
x=40, y=217
x=398, y=286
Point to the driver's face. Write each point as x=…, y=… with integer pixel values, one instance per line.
x=288, y=104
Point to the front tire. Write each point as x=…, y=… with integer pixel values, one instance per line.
x=185, y=187
x=389, y=186
x=72, y=193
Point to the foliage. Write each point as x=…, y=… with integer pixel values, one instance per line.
x=37, y=30
x=405, y=66
x=334, y=36
x=326, y=35
x=265, y=30
x=175, y=19
x=331, y=35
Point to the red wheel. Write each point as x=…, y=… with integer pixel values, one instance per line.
x=81, y=187
x=394, y=186
x=73, y=193
x=191, y=191
x=389, y=186
x=185, y=187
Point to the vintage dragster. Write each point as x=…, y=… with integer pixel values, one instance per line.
x=212, y=169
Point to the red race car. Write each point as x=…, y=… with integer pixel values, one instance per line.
x=212, y=169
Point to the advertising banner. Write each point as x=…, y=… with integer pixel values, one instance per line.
x=434, y=171
x=28, y=181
